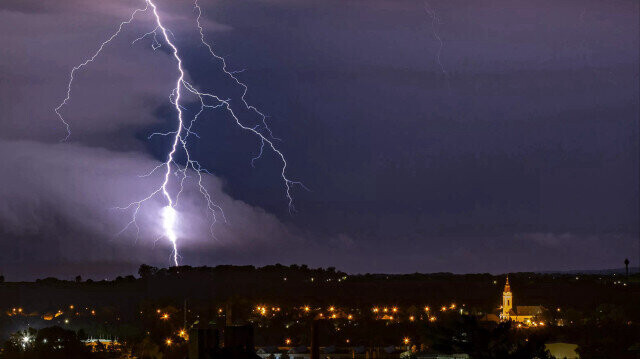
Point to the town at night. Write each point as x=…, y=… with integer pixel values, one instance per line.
x=300, y=179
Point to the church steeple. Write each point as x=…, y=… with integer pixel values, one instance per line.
x=507, y=301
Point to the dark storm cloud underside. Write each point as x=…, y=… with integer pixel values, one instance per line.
x=527, y=149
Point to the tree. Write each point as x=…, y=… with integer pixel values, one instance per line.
x=149, y=350
x=18, y=343
x=146, y=271
x=51, y=343
x=465, y=335
x=78, y=279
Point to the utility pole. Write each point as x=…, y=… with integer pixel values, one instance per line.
x=185, y=315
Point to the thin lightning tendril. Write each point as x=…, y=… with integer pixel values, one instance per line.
x=184, y=130
x=435, y=23
x=85, y=63
x=232, y=74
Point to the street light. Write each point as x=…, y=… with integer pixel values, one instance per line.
x=26, y=339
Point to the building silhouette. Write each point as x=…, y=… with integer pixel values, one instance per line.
x=527, y=314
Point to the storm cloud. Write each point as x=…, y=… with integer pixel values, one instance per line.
x=525, y=148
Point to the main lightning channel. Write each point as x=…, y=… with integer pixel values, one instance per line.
x=169, y=214
x=169, y=220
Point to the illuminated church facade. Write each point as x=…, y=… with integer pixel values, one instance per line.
x=520, y=314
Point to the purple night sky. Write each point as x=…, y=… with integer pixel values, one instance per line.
x=520, y=153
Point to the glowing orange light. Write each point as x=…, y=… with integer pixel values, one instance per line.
x=183, y=334
x=375, y=310
x=331, y=309
x=406, y=340
x=412, y=318
x=165, y=316
x=306, y=308
x=432, y=319
x=168, y=341
x=287, y=341
x=349, y=316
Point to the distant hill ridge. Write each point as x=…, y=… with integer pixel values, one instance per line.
x=622, y=271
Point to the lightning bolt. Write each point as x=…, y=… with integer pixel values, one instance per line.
x=183, y=130
x=435, y=25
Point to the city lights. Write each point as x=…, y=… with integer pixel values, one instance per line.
x=26, y=339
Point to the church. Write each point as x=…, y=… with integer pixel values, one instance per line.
x=521, y=314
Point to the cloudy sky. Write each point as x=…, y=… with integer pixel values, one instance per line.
x=509, y=145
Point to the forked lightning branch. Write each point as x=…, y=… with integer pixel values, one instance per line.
x=171, y=168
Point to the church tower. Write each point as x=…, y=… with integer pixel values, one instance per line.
x=507, y=301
